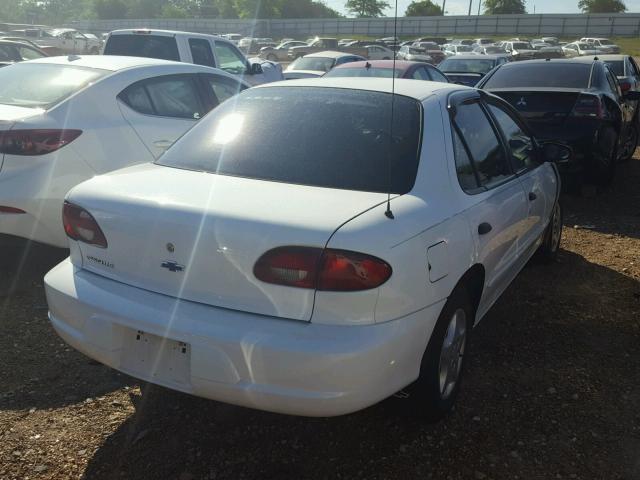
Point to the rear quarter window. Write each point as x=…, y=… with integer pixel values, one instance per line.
x=548, y=74
x=138, y=45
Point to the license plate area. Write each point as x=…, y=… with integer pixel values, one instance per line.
x=156, y=358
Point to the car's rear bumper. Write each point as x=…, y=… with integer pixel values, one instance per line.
x=255, y=361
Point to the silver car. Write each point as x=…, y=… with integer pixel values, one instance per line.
x=279, y=53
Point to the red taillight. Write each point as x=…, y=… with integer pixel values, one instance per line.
x=81, y=226
x=625, y=86
x=588, y=106
x=328, y=269
x=35, y=142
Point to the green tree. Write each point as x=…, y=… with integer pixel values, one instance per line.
x=424, y=8
x=109, y=9
x=258, y=8
x=306, y=9
x=366, y=8
x=602, y=6
x=174, y=11
x=502, y=7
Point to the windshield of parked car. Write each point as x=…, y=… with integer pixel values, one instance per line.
x=463, y=48
x=37, y=85
x=521, y=46
x=365, y=72
x=150, y=46
x=491, y=50
x=327, y=137
x=616, y=66
x=467, y=65
x=584, y=46
x=605, y=41
x=545, y=74
x=319, y=64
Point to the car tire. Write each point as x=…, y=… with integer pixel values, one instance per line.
x=630, y=144
x=604, y=158
x=272, y=57
x=434, y=393
x=548, y=250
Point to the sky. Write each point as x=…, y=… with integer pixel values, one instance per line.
x=461, y=7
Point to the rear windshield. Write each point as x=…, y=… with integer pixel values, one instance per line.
x=616, y=66
x=326, y=137
x=38, y=85
x=365, y=72
x=463, y=48
x=319, y=64
x=139, y=45
x=561, y=75
x=467, y=65
x=521, y=46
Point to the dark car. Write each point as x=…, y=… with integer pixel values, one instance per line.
x=577, y=102
x=385, y=69
x=469, y=69
x=12, y=52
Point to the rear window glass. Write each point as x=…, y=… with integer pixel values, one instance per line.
x=42, y=85
x=364, y=72
x=548, y=74
x=616, y=67
x=346, y=143
x=521, y=46
x=319, y=64
x=473, y=66
x=150, y=46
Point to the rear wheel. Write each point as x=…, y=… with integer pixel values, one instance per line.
x=434, y=393
x=272, y=57
x=630, y=143
x=551, y=239
x=603, y=165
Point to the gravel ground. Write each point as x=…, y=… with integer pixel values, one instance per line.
x=552, y=388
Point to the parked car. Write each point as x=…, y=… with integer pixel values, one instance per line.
x=197, y=48
x=286, y=281
x=12, y=52
x=550, y=40
x=482, y=42
x=602, y=45
x=324, y=44
x=387, y=69
x=451, y=50
x=279, y=53
x=376, y=52
x=578, y=49
x=578, y=102
x=414, y=54
x=436, y=40
x=317, y=64
x=469, y=69
x=232, y=37
x=432, y=50
x=625, y=68
x=519, y=50
x=50, y=50
x=550, y=52
x=490, y=50
x=69, y=41
x=66, y=119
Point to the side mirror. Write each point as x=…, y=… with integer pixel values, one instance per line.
x=556, y=152
x=255, y=69
x=631, y=94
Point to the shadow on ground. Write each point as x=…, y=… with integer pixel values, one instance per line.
x=553, y=369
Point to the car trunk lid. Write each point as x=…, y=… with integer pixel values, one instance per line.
x=201, y=242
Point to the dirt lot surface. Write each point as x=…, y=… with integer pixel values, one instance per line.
x=552, y=388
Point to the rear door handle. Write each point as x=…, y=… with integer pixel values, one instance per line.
x=532, y=196
x=484, y=228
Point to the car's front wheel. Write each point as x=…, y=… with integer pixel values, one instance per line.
x=434, y=393
x=272, y=57
x=552, y=235
x=630, y=143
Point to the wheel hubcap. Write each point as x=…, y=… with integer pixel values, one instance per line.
x=452, y=353
x=556, y=228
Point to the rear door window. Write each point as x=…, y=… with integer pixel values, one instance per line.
x=483, y=144
x=169, y=96
x=142, y=45
x=519, y=144
x=223, y=88
x=548, y=74
x=201, y=52
x=436, y=76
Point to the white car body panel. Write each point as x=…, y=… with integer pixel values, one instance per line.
x=109, y=141
x=242, y=341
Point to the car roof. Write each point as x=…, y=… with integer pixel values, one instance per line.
x=332, y=54
x=401, y=65
x=418, y=90
x=167, y=33
x=16, y=43
x=610, y=57
x=567, y=61
x=103, y=62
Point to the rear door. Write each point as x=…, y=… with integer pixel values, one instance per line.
x=497, y=211
x=161, y=109
x=538, y=181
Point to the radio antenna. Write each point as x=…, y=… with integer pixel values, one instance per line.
x=388, y=213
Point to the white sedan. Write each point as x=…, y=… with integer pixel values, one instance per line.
x=65, y=119
x=271, y=271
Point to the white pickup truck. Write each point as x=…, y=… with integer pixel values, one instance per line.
x=65, y=40
x=198, y=48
